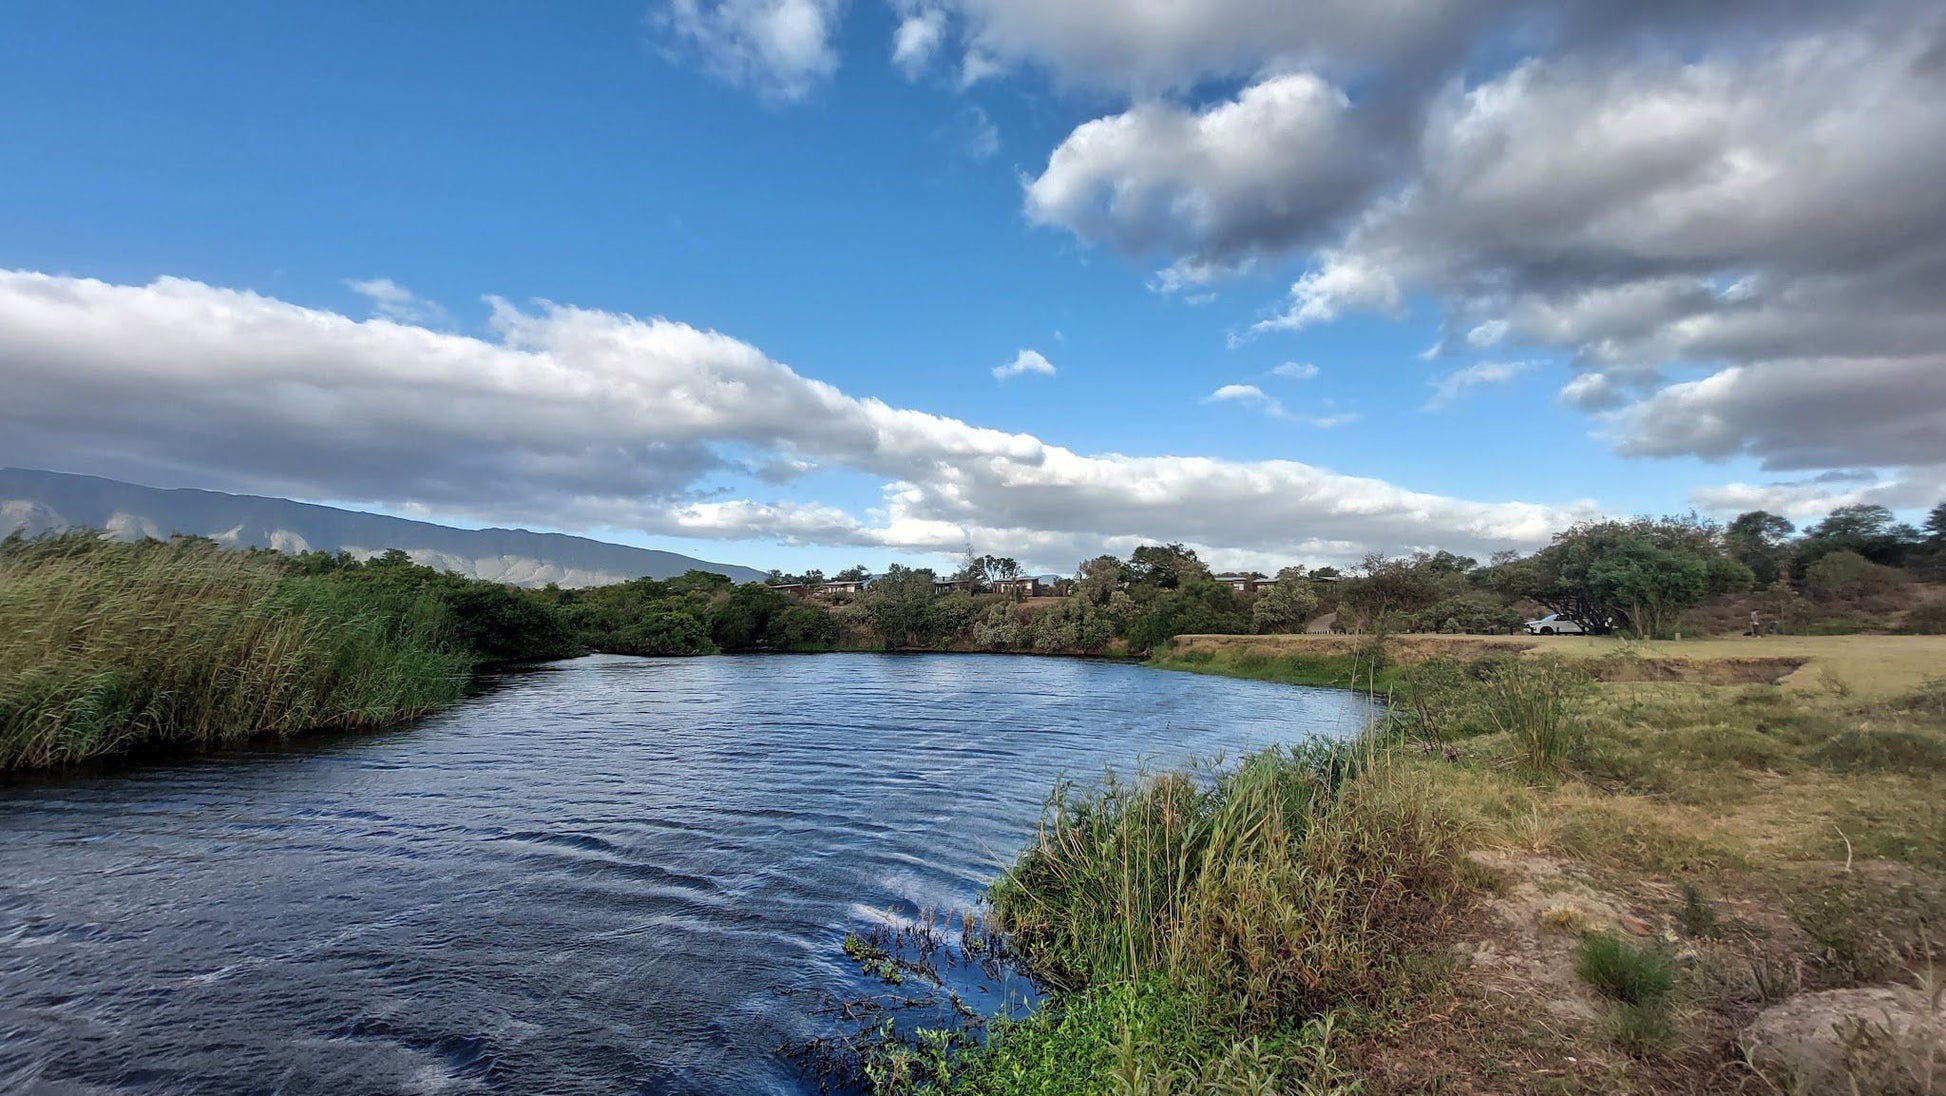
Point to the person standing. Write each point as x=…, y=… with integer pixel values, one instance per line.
x=1756, y=623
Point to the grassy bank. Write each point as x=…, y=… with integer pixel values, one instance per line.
x=1367, y=667
x=109, y=647
x=1540, y=878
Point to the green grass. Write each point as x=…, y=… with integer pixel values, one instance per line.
x=1623, y=972
x=1359, y=672
x=1205, y=931
x=1137, y=1038
x=1638, y=982
x=109, y=647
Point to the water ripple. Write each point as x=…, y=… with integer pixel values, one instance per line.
x=606, y=876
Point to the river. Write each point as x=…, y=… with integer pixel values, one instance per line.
x=607, y=875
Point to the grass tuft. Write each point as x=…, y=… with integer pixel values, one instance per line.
x=1622, y=972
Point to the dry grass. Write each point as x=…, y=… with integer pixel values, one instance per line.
x=1868, y=667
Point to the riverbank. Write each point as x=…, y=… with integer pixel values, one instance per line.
x=1625, y=881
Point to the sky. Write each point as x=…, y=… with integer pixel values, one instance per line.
x=807, y=283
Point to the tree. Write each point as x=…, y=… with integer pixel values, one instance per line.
x=1867, y=529
x=663, y=631
x=1099, y=578
x=1638, y=575
x=898, y=605
x=1388, y=586
x=1194, y=608
x=853, y=574
x=1648, y=585
x=1286, y=605
x=1936, y=525
x=1756, y=539
x=1165, y=566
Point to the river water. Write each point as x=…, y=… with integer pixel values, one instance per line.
x=607, y=875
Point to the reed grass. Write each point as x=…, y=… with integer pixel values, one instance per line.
x=109, y=647
x=1232, y=915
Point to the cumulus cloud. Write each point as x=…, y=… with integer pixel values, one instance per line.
x=1447, y=389
x=1745, y=191
x=780, y=48
x=1257, y=173
x=1296, y=371
x=1344, y=283
x=1027, y=361
x=579, y=419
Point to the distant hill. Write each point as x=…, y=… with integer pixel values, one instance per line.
x=39, y=502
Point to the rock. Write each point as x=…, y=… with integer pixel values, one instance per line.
x=1874, y=1037
x=1635, y=925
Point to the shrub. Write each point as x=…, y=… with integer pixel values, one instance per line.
x=1926, y=620
x=1840, y=576
x=1623, y=972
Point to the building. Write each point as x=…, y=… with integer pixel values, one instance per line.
x=1239, y=581
x=1017, y=587
x=848, y=588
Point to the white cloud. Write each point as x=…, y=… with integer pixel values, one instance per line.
x=1296, y=371
x=916, y=40
x=1810, y=500
x=977, y=66
x=1342, y=284
x=982, y=137
x=1254, y=173
x=1593, y=392
x=1453, y=385
x=581, y=419
x=780, y=48
x=1249, y=395
x=1027, y=361
x=1240, y=393
x=1487, y=334
x=392, y=301
x=1742, y=189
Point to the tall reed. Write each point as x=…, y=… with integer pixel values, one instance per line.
x=1267, y=893
x=107, y=647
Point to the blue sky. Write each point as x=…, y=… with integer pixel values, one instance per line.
x=881, y=230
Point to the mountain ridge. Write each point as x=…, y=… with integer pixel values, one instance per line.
x=36, y=501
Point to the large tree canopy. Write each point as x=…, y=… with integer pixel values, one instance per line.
x=1638, y=576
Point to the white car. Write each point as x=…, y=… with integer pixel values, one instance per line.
x=1554, y=624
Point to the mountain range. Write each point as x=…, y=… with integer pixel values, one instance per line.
x=36, y=502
